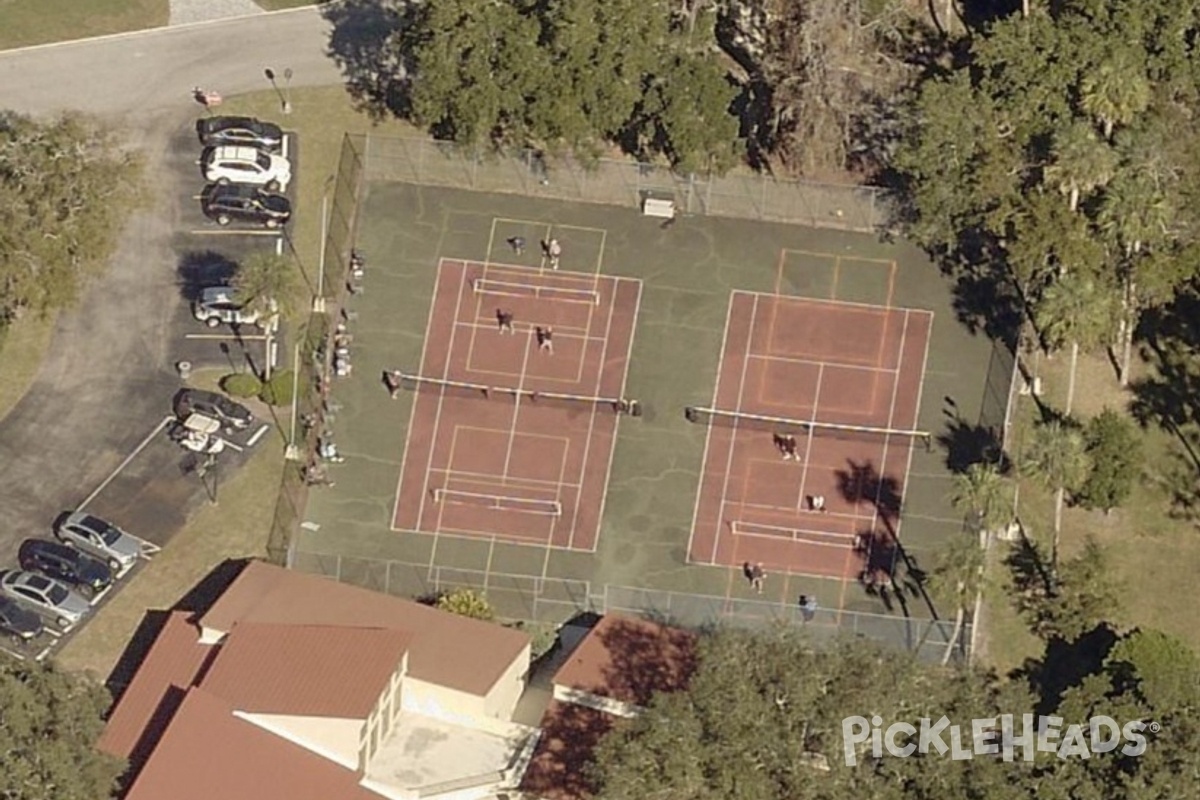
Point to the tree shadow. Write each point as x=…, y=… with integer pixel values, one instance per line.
x=965, y=444
x=199, y=269
x=1170, y=396
x=373, y=42
x=1065, y=664
x=644, y=659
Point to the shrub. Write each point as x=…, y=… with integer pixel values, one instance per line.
x=241, y=384
x=466, y=603
x=1115, y=449
x=278, y=390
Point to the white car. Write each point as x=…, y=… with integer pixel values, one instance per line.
x=49, y=598
x=232, y=164
x=219, y=304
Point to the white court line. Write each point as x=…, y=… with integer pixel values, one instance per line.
x=814, y=362
x=811, y=435
x=516, y=414
x=142, y=445
x=887, y=439
x=530, y=329
x=911, y=449
x=491, y=242
x=612, y=449
x=708, y=433
x=733, y=443
x=421, y=368
x=437, y=419
x=587, y=444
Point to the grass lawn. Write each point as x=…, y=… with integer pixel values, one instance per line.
x=236, y=528
x=1154, y=558
x=26, y=22
x=22, y=347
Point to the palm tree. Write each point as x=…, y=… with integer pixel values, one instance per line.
x=1076, y=309
x=267, y=283
x=1057, y=454
x=1115, y=92
x=1134, y=214
x=1082, y=162
x=984, y=496
x=959, y=573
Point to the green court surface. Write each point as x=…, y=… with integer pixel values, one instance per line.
x=688, y=271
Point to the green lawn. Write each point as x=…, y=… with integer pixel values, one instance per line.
x=1154, y=558
x=29, y=22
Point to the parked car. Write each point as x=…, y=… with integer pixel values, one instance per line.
x=101, y=539
x=197, y=433
x=64, y=563
x=17, y=622
x=230, y=164
x=51, y=599
x=212, y=404
x=219, y=304
x=216, y=131
x=237, y=202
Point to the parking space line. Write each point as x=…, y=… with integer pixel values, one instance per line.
x=258, y=434
x=141, y=446
x=253, y=337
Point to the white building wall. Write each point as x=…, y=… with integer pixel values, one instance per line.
x=334, y=738
x=502, y=698
x=439, y=702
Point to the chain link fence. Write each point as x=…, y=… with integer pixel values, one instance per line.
x=608, y=181
x=531, y=598
x=314, y=336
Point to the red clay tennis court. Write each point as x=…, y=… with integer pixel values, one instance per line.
x=508, y=440
x=843, y=381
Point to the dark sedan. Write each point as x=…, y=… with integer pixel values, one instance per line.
x=211, y=404
x=215, y=131
x=65, y=563
x=236, y=202
x=17, y=622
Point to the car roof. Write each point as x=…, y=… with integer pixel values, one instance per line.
x=200, y=395
x=217, y=294
x=34, y=581
x=48, y=546
x=83, y=519
x=220, y=191
x=235, y=152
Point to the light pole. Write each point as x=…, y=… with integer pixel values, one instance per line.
x=287, y=91
x=319, y=298
x=283, y=100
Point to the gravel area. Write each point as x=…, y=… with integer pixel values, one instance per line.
x=188, y=11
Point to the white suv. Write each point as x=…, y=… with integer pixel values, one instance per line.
x=230, y=164
x=219, y=304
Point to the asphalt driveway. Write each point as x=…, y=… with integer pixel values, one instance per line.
x=110, y=371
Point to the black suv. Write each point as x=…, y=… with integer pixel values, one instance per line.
x=61, y=562
x=215, y=131
x=18, y=622
x=211, y=404
x=235, y=202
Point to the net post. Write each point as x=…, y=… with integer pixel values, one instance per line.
x=438, y=495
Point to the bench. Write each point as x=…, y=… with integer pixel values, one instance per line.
x=658, y=207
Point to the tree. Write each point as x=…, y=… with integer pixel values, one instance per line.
x=1057, y=455
x=984, y=496
x=1161, y=668
x=1114, y=448
x=466, y=603
x=48, y=733
x=66, y=189
x=1115, y=91
x=267, y=283
x=1076, y=309
x=1081, y=163
x=959, y=574
x=687, y=108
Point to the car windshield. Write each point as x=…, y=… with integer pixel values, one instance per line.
x=263, y=160
x=107, y=533
x=57, y=594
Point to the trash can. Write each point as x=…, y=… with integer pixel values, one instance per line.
x=185, y=369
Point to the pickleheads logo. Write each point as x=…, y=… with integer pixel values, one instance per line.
x=996, y=736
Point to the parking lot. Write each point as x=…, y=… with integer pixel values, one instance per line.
x=130, y=471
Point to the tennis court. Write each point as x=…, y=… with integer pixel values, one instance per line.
x=842, y=382
x=513, y=426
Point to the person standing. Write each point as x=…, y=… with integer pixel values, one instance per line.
x=545, y=340
x=517, y=243
x=505, y=320
x=554, y=251
x=758, y=577
x=808, y=607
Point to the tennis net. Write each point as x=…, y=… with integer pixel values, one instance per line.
x=820, y=538
x=538, y=291
x=618, y=405
x=786, y=426
x=498, y=502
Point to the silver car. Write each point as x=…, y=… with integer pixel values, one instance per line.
x=46, y=596
x=99, y=538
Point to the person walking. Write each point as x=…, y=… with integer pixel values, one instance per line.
x=505, y=320
x=391, y=380
x=553, y=252
x=808, y=607
x=545, y=340
x=758, y=576
x=517, y=243
x=785, y=443
x=817, y=503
